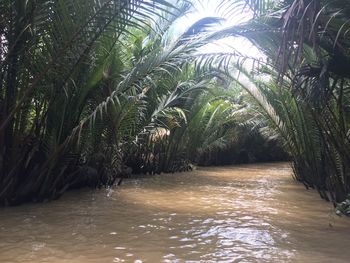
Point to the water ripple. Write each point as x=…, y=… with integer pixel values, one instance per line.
x=252, y=213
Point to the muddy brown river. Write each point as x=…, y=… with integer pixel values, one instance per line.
x=248, y=213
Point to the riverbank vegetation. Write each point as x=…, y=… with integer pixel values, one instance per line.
x=306, y=99
x=94, y=90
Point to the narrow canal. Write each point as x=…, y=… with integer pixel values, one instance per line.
x=248, y=213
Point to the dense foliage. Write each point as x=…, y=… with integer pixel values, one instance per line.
x=94, y=90
x=91, y=90
x=306, y=96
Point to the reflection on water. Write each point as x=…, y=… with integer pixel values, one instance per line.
x=252, y=213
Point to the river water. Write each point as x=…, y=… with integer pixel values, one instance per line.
x=248, y=213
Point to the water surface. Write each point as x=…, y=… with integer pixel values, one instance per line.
x=248, y=213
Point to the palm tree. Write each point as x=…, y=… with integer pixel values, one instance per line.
x=308, y=45
x=53, y=55
x=89, y=85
